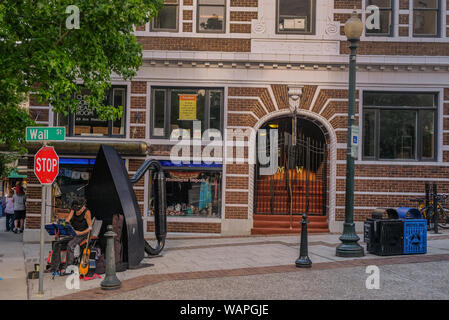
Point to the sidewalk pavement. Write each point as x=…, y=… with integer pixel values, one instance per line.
x=227, y=263
x=13, y=283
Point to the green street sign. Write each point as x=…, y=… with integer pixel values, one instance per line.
x=45, y=134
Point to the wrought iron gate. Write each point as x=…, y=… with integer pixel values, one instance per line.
x=299, y=185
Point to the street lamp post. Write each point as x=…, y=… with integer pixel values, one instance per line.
x=349, y=246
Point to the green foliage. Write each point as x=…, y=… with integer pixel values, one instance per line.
x=56, y=57
x=39, y=54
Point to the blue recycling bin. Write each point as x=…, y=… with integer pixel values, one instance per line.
x=415, y=236
x=408, y=213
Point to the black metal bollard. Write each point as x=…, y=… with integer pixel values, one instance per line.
x=304, y=261
x=435, y=209
x=110, y=281
x=427, y=194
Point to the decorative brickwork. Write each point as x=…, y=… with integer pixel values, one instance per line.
x=137, y=132
x=398, y=48
x=194, y=227
x=195, y=44
x=307, y=95
x=246, y=105
x=254, y=92
x=240, y=28
x=347, y=4
x=403, y=31
x=138, y=102
x=404, y=4
x=243, y=15
x=236, y=212
x=138, y=117
x=187, y=27
x=134, y=164
x=403, y=19
x=187, y=15
x=244, y=3
x=138, y=87
x=281, y=95
x=237, y=183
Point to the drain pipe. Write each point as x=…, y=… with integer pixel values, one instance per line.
x=160, y=217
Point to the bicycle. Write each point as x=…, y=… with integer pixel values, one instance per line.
x=429, y=214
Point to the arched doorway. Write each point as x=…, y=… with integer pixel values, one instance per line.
x=300, y=182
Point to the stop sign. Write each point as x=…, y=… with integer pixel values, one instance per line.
x=46, y=165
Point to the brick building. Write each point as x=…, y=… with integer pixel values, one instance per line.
x=249, y=63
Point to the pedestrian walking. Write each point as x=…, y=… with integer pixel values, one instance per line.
x=9, y=210
x=19, y=209
x=3, y=206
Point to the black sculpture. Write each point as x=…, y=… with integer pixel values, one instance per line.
x=110, y=192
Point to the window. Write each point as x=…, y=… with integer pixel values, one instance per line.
x=193, y=193
x=399, y=126
x=211, y=15
x=296, y=16
x=177, y=108
x=426, y=17
x=167, y=17
x=386, y=18
x=86, y=122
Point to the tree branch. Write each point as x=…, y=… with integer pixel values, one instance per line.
x=63, y=36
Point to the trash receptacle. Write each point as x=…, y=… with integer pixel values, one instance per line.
x=415, y=236
x=384, y=237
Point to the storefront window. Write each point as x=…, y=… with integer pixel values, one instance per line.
x=193, y=193
x=399, y=126
x=70, y=184
x=86, y=122
x=177, y=108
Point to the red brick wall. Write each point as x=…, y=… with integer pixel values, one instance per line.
x=398, y=48
x=243, y=3
x=195, y=44
x=193, y=227
x=347, y=4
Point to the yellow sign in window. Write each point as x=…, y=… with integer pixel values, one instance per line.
x=187, y=106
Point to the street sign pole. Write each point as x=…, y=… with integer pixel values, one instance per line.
x=46, y=168
x=41, y=263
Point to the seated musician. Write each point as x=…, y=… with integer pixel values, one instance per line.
x=80, y=219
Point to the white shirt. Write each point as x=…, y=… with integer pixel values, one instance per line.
x=19, y=202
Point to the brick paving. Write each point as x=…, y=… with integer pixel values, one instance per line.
x=218, y=258
x=146, y=280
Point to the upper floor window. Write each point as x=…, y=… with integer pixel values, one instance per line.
x=399, y=126
x=177, y=108
x=211, y=15
x=385, y=27
x=296, y=16
x=167, y=17
x=426, y=15
x=86, y=123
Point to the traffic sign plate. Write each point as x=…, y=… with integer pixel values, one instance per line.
x=45, y=134
x=46, y=165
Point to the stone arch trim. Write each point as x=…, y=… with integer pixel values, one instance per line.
x=331, y=140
